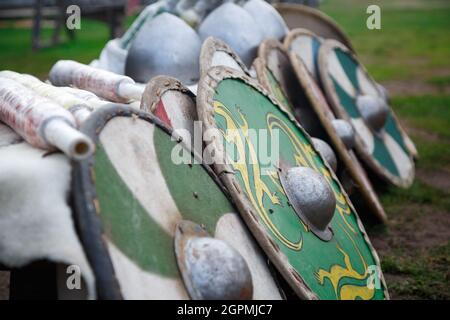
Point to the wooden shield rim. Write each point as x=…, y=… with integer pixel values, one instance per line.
x=208, y=83
x=308, y=11
x=157, y=87
x=210, y=46
x=260, y=64
x=345, y=155
x=340, y=111
x=297, y=32
x=85, y=204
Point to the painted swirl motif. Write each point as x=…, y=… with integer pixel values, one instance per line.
x=237, y=134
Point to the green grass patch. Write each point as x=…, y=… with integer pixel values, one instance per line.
x=411, y=44
x=433, y=154
x=440, y=81
x=418, y=194
x=430, y=116
x=16, y=52
x=431, y=113
x=424, y=276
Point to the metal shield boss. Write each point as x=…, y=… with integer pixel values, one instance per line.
x=236, y=27
x=165, y=45
x=326, y=152
x=211, y=269
x=312, y=198
x=374, y=111
x=345, y=131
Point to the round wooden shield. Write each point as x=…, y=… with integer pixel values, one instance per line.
x=305, y=44
x=344, y=79
x=300, y=16
x=129, y=198
x=346, y=156
x=339, y=268
x=215, y=53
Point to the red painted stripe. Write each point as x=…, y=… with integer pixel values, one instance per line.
x=161, y=114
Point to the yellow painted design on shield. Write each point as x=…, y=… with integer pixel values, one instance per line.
x=337, y=273
x=237, y=134
x=347, y=291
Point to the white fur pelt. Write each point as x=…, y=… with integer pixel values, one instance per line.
x=35, y=219
x=112, y=58
x=8, y=136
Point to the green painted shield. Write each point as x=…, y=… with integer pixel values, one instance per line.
x=136, y=193
x=337, y=269
x=343, y=79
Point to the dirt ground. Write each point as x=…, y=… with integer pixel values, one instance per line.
x=414, y=253
x=414, y=247
x=414, y=88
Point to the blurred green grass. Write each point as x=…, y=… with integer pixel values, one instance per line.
x=16, y=53
x=430, y=116
x=412, y=43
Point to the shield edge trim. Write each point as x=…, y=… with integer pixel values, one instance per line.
x=207, y=83
x=294, y=33
x=157, y=87
x=335, y=104
x=212, y=45
x=305, y=10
